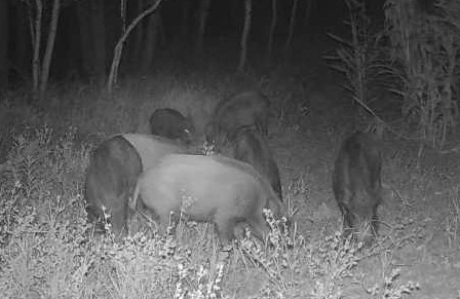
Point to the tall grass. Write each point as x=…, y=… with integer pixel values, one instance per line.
x=48, y=250
x=416, y=53
x=425, y=48
x=359, y=57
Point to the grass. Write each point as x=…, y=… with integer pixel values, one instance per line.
x=452, y=223
x=49, y=251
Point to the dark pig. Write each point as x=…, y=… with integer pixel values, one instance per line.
x=172, y=124
x=357, y=185
x=249, y=146
x=113, y=171
x=110, y=178
x=249, y=108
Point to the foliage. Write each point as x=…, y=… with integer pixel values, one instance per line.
x=48, y=250
x=359, y=58
x=425, y=53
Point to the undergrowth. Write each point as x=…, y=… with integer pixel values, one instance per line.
x=48, y=250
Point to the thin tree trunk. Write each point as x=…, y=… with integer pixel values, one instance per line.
x=35, y=33
x=113, y=75
x=203, y=17
x=272, y=30
x=49, y=47
x=123, y=8
x=245, y=35
x=4, y=29
x=287, y=46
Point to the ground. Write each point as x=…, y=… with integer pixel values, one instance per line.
x=418, y=209
x=49, y=253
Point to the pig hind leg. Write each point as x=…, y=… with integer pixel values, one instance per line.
x=118, y=218
x=344, y=196
x=226, y=229
x=259, y=227
x=166, y=222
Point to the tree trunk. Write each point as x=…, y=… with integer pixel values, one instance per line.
x=49, y=47
x=123, y=9
x=4, y=61
x=203, y=17
x=287, y=46
x=245, y=35
x=150, y=42
x=272, y=30
x=35, y=30
x=113, y=75
x=98, y=39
